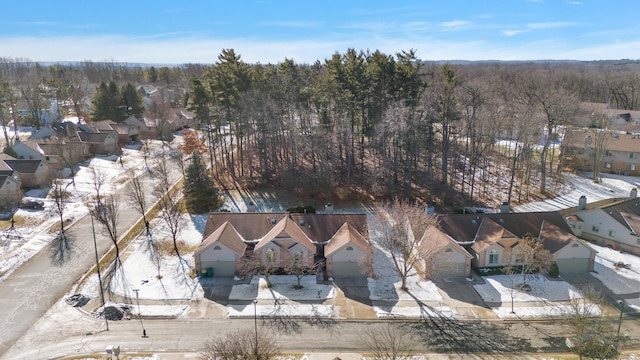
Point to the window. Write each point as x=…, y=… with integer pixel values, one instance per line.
x=349, y=248
x=612, y=233
x=217, y=247
x=494, y=257
x=607, y=165
x=575, y=245
x=448, y=250
x=638, y=240
x=632, y=167
x=595, y=228
x=608, y=153
x=633, y=155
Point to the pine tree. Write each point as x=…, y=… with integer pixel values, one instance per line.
x=200, y=193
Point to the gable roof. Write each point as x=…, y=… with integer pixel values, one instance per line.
x=286, y=228
x=553, y=238
x=464, y=227
x=490, y=233
x=615, y=140
x=24, y=166
x=97, y=138
x=317, y=227
x=347, y=234
x=435, y=240
x=226, y=235
x=625, y=212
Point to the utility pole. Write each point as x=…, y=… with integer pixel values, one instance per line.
x=95, y=246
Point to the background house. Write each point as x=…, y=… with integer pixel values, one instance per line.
x=9, y=178
x=616, y=225
x=621, y=151
x=33, y=173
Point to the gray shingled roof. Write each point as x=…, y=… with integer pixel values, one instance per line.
x=24, y=166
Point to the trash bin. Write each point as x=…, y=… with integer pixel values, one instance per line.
x=203, y=273
x=209, y=272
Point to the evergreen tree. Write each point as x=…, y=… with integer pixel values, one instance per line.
x=131, y=100
x=200, y=193
x=106, y=103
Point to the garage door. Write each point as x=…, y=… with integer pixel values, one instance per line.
x=351, y=268
x=573, y=265
x=220, y=268
x=445, y=270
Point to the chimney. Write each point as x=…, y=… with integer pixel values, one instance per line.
x=582, y=203
x=505, y=208
x=328, y=208
x=634, y=193
x=251, y=207
x=430, y=209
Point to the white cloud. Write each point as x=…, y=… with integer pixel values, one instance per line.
x=200, y=50
x=549, y=25
x=512, y=32
x=455, y=24
x=292, y=24
x=575, y=3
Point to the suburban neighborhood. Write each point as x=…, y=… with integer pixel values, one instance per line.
x=320, y=181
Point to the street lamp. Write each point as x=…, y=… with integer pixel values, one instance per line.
x=144, y=332
x=255, y=325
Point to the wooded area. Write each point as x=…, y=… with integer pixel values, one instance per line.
x=361, y=124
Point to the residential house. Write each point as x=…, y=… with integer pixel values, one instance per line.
x=38, y=150
x=33, y=173
x=9, y=178
x=340, y=240
x=143, y=131
x=620, y=151
x=492, y=238
x=616, y=225
x=100, y=143
x=441, y=257
x=618, y=119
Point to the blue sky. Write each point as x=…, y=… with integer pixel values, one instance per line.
x=195, y=31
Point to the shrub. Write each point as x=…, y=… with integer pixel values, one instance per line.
x=554, y=271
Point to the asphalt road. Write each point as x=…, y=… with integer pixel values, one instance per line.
x=300, y=336
x=36, y=285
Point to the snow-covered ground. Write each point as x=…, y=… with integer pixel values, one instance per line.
x=140, y=268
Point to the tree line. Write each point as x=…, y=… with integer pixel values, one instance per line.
x=367, y=123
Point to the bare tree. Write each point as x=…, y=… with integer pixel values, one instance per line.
x=136, y=197
x=107, y=213
x=9, y=203
x=387, y=342
x=70, y=153
x=299, y=266
x=242, y=344
x=593, y=335
x=60, y=195
x=599, y=147
x=170, y=204
x=99, y=180
x=529, y=256
x=400, y=228
x=255, y=263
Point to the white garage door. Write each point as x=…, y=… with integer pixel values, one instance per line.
x=220, y=268
x=344, y=268
x=573, y=265
x=445, y=270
